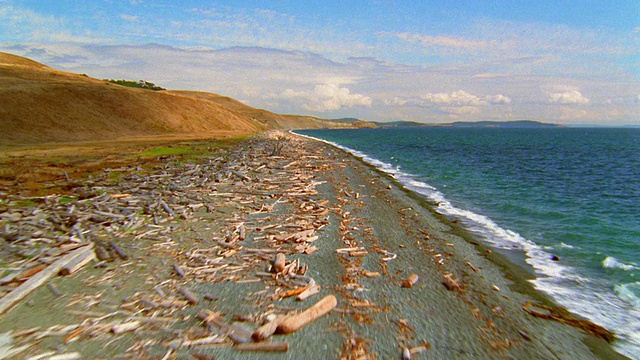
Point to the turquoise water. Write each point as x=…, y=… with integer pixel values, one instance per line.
x=572, y=193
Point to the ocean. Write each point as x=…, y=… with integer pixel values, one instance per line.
x=567, y=194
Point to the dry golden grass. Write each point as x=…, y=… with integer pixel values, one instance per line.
x=270, y=119
x=37, y=170
x=41, y=104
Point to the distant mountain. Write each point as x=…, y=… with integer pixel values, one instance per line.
x=498, y=124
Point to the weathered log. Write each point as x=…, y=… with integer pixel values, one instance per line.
x=279, y=262
x=410, y=281
x=241, y=176
x=190, y=296
x=264, y=346
x=309, y=292
x=125, y=327
x=178, y=270
x=450, y=283
x=77, y=263
x=267, y=329
x=563, y=316
x=472, y=267
x=235, y=333
x=102, y=254
x=37, y=280
x=298, y=321
x=167, y=209
x=118, y=251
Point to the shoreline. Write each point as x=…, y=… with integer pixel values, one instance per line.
x=511, y=262
x=340, y=223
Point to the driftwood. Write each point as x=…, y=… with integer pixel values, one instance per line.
x=279, y=262
x=235, y=333
x=296, y=322
x=190, y=296
x=450, y=283
x=77, y=263
x=178, y=270
x=264, y=346
x=102, y=254
x=563, y=316
x=267, y=329
x=410, y=281
x=475, y=269
x=37, y=280
x=310, y=291
x=125, y=327
x=118, y=251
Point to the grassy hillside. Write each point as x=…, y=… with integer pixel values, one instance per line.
x=42, y=104
x=273, y=120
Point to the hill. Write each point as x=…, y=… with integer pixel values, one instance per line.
x=42, y=104
x=272, y=120
x=400, y=123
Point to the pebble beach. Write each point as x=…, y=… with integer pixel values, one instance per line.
x=200, y=256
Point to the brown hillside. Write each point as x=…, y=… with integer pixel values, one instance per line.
x=270, y=119
x=38, y=103
x=42, y=104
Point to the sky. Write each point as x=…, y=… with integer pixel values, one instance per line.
x=561, y=61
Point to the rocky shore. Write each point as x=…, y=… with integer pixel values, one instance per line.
x=281, y=247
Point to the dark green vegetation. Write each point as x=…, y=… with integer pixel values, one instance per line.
x=142, y=84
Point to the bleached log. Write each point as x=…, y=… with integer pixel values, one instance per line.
x=125, y=327
x=77, y=263
x=309, y=292
x=410, y=281
x=267, y=329
x=37, y=280
x=450, y=283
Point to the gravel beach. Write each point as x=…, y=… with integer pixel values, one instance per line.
x=409, y=283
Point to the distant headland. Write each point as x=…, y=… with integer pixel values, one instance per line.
x=473, y=124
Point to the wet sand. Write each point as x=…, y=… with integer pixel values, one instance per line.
x=372, y=235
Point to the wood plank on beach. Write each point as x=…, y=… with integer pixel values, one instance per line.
x=7, y=302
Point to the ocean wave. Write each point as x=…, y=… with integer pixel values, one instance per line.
x=611, y=262
x=629, y=293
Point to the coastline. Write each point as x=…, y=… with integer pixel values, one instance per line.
x=290, y=185
x=511, y=264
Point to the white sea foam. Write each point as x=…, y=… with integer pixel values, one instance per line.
x=612, y=263
x=619, y=311
x=629, y=293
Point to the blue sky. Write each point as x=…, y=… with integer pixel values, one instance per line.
x=563, y=61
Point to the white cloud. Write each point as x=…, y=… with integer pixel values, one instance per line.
x=456, y=98
x=462, y=98
x=452, y=103
x=442, y=41
x=327, y=97
x=127, y=17
x=499, y=99
x=568, y=98
x=297, y=82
